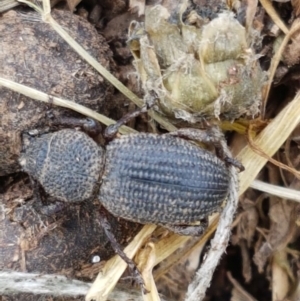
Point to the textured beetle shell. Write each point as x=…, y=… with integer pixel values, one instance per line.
x=161, y=179
x=67, y=163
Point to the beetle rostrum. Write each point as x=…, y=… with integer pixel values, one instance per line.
x=144, y=178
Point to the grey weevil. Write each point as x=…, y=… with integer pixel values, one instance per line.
x=145, y=178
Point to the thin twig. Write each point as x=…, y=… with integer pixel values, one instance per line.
x=282, y=192
x=274, y=15
x=269, y=141
x=281, y=165
x=37, y=95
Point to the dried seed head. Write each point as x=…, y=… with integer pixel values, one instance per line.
x=67, y=163
x=206, y=72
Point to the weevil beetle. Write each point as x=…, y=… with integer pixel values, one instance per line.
x=145, y=178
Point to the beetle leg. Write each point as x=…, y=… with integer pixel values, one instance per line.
x=90, y=126
x=38, y=206
x=111, y=131
x=211, y=136
x=118, y=250
x=196, y=230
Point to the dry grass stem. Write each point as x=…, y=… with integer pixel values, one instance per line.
x=37, y=95
x=46, y=8
x=269, y=141
x=274, y=15
x=270, y=159
x=281, y=192
x=7, y=4
x=146, y=258
x=239, y=292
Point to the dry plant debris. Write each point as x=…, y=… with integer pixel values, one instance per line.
x=263, y=258
x=198, y=68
